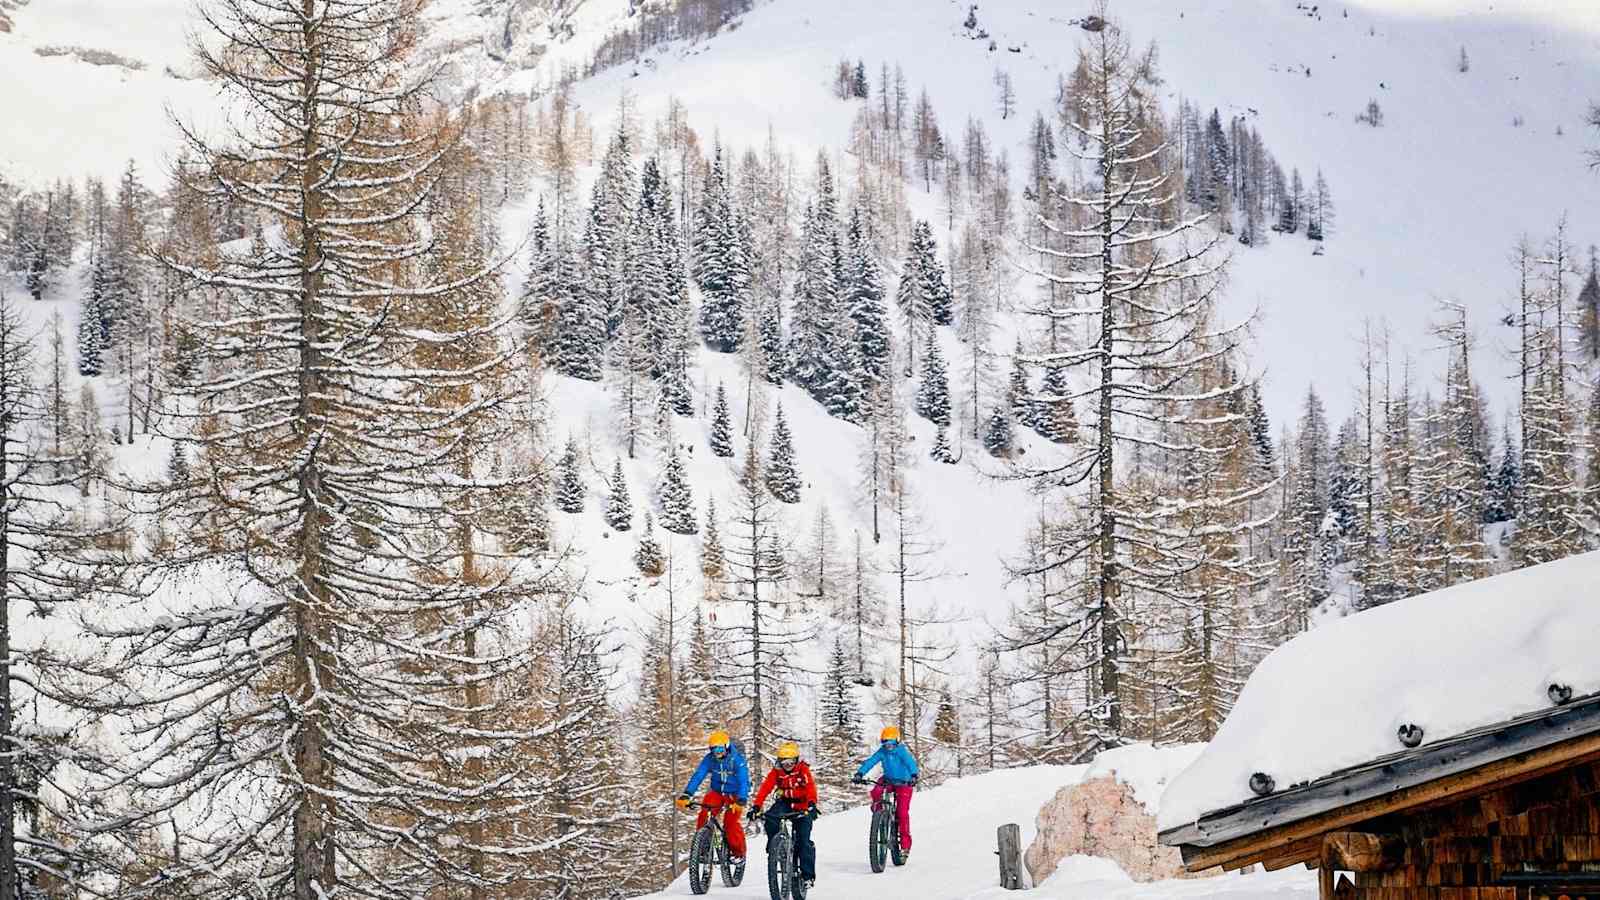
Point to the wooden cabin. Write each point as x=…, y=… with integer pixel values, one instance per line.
x=1510, y=811
x=1444, y=747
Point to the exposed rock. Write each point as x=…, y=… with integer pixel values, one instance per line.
x=1110, y=814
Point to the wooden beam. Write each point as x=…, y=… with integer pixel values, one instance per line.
x=1511, y=770
x=1360, y=851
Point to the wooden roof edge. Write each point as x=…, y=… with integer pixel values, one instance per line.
x=1521, y=748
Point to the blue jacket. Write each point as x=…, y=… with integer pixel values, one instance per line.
x=730, y=775
x=898, y=764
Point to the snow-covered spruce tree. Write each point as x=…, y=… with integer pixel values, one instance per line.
x=998, y=437
x=91, y=324
x=570, y=490
x=1019, y=396
x=580, y=340
x=1054, y=416
x=773, y=347
x=48, y=558
x=720, y=266
x=348, y=392
x=924, y=295
x=782, y=478
x=863, y=297
x=540, y=304
x=647, y=556
x=1308, y=500
x=713, y=561
x=818, y=333
x=1141, y=283
x=941, y=451
x=721, y=427
x=619, y=506
x=839, y=732
x=933, y=390
x=677, y=500
x=608, y=229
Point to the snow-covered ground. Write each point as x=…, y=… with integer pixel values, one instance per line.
x=1449, y=661
x=953, y=854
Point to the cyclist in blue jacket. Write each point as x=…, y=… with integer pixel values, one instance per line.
x=725, y=765
x=899, y=773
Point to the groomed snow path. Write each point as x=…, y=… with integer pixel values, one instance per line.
x=953, y=856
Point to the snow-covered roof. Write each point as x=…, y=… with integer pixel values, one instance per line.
x=1448, y=662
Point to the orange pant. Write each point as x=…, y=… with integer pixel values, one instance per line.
x=731, y=822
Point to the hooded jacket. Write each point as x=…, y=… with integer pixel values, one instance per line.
x=730, y=775
x=898, y=764
x=797, y=786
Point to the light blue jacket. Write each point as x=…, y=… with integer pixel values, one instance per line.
x=730, y=775
x=898, y=764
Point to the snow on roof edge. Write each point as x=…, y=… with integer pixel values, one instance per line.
x=1448, y=661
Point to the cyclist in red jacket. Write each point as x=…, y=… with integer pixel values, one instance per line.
x=797, y=793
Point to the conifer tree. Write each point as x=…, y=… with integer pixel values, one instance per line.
x=647, y=556
x=782, y=478
x=924, y=295
x=998, y=438
x=838, y=731
x=933, y=391
x=50, y=561
x=91, y=326
x=721, y=427
x=585, y=829
x=755, y=647
x=941, y=451
x=677, y=502
x=863, y=296
x=1053, y=414
x=1019, y=397
x=817, y=332
x=774, y=348
x=619, y=506
x=540, y=305
x=1140, y=278
x=720, y=265
x=569, y=480
x=580, y=343
x=350, y=384
x=713, y=561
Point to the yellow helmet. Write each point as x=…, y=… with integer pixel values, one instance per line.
x=788, y=750
x=889, y=733
x=718, y=738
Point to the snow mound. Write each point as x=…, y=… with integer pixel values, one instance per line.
x=1448, y=661
x=1144, y=768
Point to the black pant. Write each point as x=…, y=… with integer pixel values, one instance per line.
x=801, y=828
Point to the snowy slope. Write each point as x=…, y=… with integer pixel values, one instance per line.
x=953, y=852
x=1335, y=696
x=1428, y=206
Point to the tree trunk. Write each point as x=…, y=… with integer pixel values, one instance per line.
x=315, y=874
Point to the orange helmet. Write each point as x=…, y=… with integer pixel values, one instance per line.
x=889, y=733
x=788, y=750
x=718, y=740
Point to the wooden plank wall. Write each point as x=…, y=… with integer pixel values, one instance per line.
x=1460, y=850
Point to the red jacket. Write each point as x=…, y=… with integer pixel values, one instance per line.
x=796, y=786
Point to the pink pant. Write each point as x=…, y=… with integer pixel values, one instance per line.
x=902, y=797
